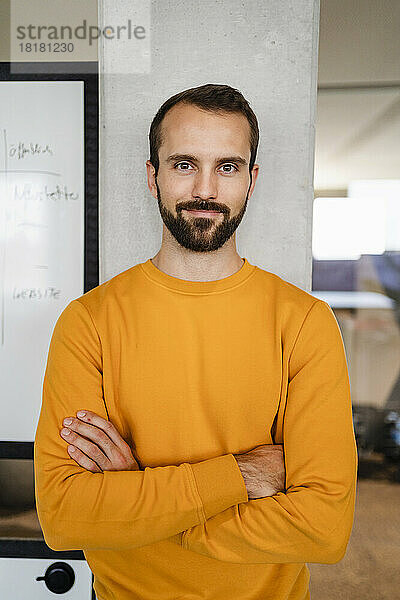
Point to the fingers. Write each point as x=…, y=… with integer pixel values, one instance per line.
x=83, y=460
x=99, y=440
x=105, y=425
x=85, y=449
x=91, y=440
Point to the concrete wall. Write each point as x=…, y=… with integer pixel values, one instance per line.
x=265, y=48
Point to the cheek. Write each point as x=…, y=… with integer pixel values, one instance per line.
x=173, y=188
x=234, y=190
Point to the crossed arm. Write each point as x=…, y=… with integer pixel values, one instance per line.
x=96, y=445
x=203, y=506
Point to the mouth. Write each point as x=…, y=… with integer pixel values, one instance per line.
x=203, y=213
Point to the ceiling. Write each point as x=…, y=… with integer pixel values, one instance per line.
x=358, y=101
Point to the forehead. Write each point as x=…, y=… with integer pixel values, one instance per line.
x=188, y=128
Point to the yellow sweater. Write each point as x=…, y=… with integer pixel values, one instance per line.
x=191, y=373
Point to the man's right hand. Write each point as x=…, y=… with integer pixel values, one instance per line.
x=263, y=470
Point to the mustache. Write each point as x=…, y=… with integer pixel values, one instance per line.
x=202, y=206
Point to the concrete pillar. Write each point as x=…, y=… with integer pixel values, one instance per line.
x=265, y=48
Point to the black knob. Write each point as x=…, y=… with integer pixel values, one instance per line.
x=59, y=577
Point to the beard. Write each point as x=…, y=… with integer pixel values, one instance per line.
x=200, y=234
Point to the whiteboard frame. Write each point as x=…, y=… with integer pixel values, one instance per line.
x=88, y=74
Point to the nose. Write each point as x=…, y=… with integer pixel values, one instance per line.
x=204, y=185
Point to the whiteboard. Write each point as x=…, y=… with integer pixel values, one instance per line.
x=41, y=235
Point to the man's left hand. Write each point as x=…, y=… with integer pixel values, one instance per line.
x=97, y=445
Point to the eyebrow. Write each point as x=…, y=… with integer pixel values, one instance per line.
x=236, y=159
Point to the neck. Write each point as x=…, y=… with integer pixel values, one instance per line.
x=198, y=266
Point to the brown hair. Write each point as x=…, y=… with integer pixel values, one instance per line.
x=212, y=97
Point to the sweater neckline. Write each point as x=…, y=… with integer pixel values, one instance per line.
x=198, y=287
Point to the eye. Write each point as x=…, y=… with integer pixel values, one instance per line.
x=234, y=168
x=182, y=163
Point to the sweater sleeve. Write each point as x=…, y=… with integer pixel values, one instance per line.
x=312, y=520
x=112, y=510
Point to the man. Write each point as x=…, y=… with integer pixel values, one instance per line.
x=195, y=369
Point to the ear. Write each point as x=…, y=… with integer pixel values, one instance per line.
x=254, y=175
x=151, y=179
